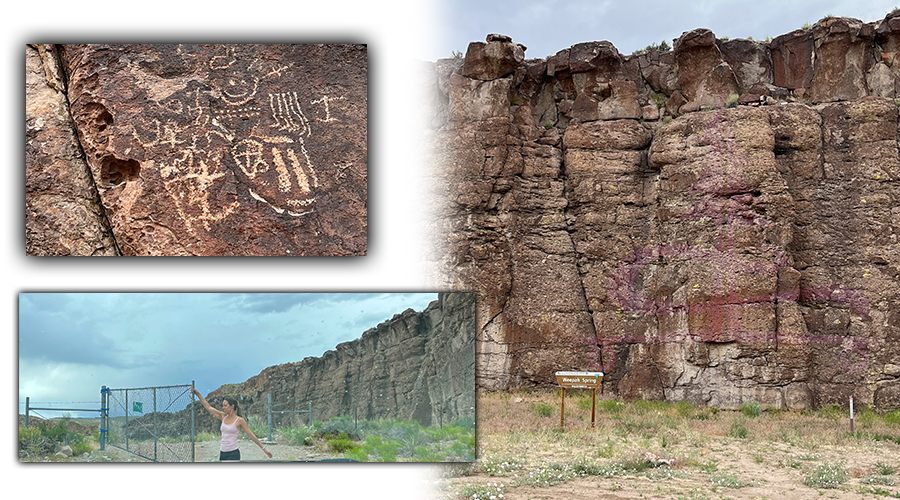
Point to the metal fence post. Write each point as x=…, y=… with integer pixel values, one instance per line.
x=27, y=400
x=104, y=415
x=193, y=438
x=155, y=430
x=270, y=416
x=310, y=413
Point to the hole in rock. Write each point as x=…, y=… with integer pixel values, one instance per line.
x=114, y=171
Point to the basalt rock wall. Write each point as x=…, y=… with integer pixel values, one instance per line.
x=417, y=365
x=192, y=149
x=718, y=223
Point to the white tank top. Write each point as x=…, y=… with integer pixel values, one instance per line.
x=229, y=435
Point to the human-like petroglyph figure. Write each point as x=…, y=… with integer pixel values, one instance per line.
x=267, y=133
x=242, y=114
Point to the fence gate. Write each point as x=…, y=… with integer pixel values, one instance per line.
x=156, y=423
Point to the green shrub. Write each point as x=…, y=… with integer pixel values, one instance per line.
x=884, y=469
x=685, y=408
x=878, y=479
x=501, y=466
x=259, y=426
x=731, y=100
x=831, y=412
x=357, y=454
x=205, y=436
x=751, y=409
x=543, y=409
x=728, y=480
x=298, y=436
x=426, y=454
x=547, y=476
x=465, y=423
x=827, y=476
x=610, y=406
x=29, y=435
x=866, y=416
x=473, y=491
x=80, y=448
x=738, y=430
x=340, y=445
x=386, y=451
x=412, y=441
x=892, y=418
x=388, y=439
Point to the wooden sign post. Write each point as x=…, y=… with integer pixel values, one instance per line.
x=578, y=380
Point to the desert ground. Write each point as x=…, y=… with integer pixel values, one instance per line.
x=672, y=451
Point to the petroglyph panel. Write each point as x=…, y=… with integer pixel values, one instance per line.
x=226, y=149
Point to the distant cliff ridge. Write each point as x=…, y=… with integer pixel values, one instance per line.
x=417, y=365
x=719, y=223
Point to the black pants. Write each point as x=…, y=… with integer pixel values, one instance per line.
x=229, y=455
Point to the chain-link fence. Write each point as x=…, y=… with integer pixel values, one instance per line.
x=155, y=423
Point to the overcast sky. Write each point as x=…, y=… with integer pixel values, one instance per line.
x=548, y=26
x=70, y=345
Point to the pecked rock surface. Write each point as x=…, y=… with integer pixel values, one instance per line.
x=63, y=214
x=716, y=224
x=223, y=149
x=417, y=365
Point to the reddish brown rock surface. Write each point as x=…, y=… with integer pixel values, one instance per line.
x=225, y=149
x=63, y=214
x=731, y=254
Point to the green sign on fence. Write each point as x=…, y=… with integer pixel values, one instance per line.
x=137, y=407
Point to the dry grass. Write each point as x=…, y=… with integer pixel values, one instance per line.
x=677, y=449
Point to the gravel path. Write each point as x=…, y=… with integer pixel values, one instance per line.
x=208, y=451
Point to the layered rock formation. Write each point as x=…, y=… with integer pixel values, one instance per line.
x=196, y=150
x=417, y=365
x=716, y=224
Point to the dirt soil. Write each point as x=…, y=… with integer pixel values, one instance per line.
x=692, y=454
x=207, y=451
x=770, y=479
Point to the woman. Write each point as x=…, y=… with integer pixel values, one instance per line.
x=231, y=424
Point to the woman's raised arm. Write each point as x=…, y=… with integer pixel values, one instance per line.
x=219, y=414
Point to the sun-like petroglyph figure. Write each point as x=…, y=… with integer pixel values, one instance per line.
x=267, y=135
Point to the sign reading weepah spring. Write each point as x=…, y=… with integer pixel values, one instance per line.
x=578, y=380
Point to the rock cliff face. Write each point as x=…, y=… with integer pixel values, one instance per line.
x=196, y=149
x=63, y=213
x=418, y=365
x=716, y=224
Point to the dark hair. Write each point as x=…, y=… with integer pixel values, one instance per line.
x=233, y=402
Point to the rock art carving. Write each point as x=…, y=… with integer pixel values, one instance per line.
x=222, y=149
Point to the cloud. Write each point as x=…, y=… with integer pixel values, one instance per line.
x=548, y=27
x=151, y=339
